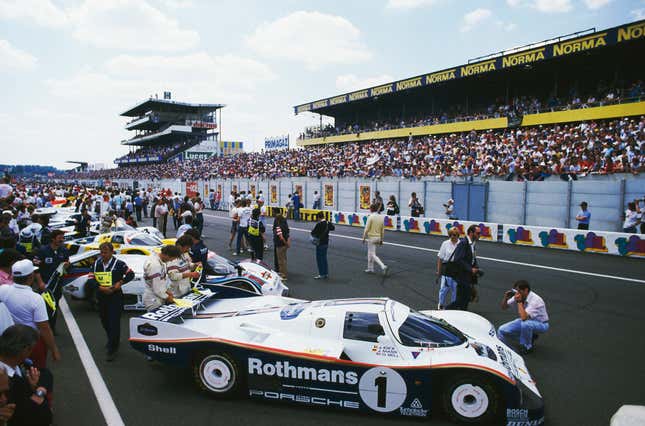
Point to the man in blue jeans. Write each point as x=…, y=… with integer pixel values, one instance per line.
x=321, y=233
x=533, y=319
x=296, y=206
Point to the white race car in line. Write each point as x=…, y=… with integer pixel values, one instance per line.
x=251, y=276
x=372, y=354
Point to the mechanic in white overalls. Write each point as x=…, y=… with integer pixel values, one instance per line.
x=155, y=274
x=181, y=270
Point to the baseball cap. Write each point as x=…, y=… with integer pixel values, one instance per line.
x=23, y=268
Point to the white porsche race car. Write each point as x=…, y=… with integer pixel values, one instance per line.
x=251, y=276
x=373, y=354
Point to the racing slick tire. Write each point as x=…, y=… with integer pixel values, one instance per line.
x=471, y=398
x=217, y=375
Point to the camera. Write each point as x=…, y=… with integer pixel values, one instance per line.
x=479, y=273
x=510, y=293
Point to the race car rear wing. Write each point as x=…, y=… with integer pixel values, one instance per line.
x=193, y=303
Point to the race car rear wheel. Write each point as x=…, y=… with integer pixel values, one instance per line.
x=471, y=399
x=217, y=374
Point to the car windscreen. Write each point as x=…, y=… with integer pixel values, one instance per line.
x=144, y=240
x=420, y=330
x=219, y=265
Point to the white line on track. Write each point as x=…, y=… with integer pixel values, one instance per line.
x=106, y=403
x=512, y=262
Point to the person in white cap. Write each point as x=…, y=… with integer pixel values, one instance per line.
x=187, y=217
x=28, y=308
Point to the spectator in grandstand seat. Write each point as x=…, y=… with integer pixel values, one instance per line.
x=281, y=243
x=109, y=275
x=373, y=233
x=28, y=307
x=466, y=260
x=584, y=216
x=29, y=386
x=447, y=283
x=320, y=235
x=533, y=318
x=632, y=217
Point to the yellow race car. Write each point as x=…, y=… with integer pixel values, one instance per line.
x=124, y=242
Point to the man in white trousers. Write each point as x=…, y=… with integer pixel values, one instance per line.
x=373, y=234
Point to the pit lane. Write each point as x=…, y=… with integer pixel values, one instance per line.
x=587, y=366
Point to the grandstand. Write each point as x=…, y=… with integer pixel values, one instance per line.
x=588, y=75
x=166, y=130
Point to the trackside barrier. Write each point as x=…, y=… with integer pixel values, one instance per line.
x=616, y=243
x=306, y=215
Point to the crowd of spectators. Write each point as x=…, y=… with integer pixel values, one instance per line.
x=517, y=107
x=161, y=151
x=533, y=153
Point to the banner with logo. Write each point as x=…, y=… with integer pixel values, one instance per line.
x=273, y=194
x=191, y=189
x=329, y=195
x=365, y=194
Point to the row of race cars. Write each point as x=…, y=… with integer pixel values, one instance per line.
x=241, y=335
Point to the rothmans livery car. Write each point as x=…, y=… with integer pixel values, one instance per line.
x=251, y=276
x=373, y=355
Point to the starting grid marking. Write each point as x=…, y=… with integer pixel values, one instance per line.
x=492, y=259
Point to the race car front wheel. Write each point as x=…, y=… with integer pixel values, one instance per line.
x=217, y=374
x=471, y=399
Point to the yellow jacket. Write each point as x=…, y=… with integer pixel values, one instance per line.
x=374, y=228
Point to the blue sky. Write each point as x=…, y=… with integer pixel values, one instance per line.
x=69, y=67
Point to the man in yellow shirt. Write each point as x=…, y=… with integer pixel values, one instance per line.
x=373, y=234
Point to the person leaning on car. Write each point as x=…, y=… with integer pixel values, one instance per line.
x=109, y=274
x=181, y=270
x=533, y=318
x=155, y=273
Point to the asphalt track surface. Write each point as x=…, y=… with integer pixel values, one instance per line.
x=587, y=366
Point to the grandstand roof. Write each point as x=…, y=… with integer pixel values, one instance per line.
x=550, y=49
x=170, y=106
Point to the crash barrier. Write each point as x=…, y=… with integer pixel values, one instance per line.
x=306, y=215
x=551, y=203
x=616, y=243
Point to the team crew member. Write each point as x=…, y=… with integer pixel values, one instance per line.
x=533, y=318
x=28, y=308
x=235, y=221
x=373, y=233
x=199, y=251
x=48, y=259
x=464, y=257
x=281, y=243
x=110, y=274
x=583, y=217
x=255, y=231
x=155, y=273
x=244, y=214
x=448, y=284
x=181, y=270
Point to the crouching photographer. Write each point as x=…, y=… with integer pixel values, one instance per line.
x=533, y=318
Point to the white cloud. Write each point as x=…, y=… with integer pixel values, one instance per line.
x=553, y=6
x=596, y=4
x=351, y=82
x=409, y=4
x=474, y=18
x=130, y=25
x=42, y=12
x=176, y=4
x=12, y=58
x=638, y=14
x=506, y=26
x=513, y=3
x=314, y=38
